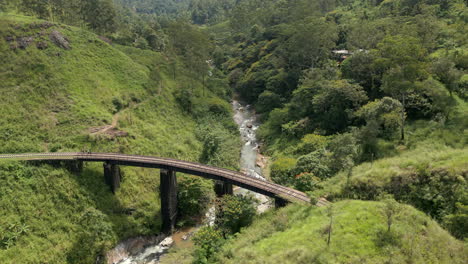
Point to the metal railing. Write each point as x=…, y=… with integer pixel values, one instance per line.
x=282, y=191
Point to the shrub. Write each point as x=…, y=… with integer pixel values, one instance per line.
x=268, y=101
x=282, y=170
x=310, y=143
x=234, y=212
x=185, y=100
x=209, y=241
x=457, y=223
x=315, y=163
x=306, y=182
x=194, y=195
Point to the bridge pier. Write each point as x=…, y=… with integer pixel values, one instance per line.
x=75, y=166
x=168, y=191
x=280, y=202
x=223, y=188
x=112, y=175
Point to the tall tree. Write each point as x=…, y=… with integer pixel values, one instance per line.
x=401, y=59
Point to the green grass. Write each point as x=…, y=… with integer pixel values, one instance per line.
x=50, y=100
x=298, y=234
x=380, y=172
x=431, y=177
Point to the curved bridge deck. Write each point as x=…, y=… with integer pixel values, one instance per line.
x=206, y=171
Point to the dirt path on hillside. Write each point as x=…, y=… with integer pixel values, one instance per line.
x=106, y=128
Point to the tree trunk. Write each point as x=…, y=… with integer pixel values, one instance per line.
x=389, y=224
x=402, y=130
x=330, y=230
x=203, y=82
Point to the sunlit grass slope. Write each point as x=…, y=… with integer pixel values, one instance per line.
x=298, y=234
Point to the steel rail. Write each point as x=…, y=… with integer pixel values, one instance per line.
x=280, y=190
x=207, y=166
x=234, y=176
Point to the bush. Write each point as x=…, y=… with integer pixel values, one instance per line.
x=141, y=43
x=211, y=145
x=235, y=212
x=209, y=241
x=315, y=163
x=219, y=107
x=310, y=143
x=457, y=223
x=268, y=101
x=282, y=170
x=185, y=100
x=194, y=195
x=306, y=182
x=344, y=149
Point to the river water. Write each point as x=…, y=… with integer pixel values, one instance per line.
x=149, y=250
x=251, y=161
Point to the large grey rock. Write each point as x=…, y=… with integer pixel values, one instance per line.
x=59, y=40
x=24, y=42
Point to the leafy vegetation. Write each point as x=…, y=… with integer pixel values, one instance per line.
x=59, y=99
x=343, y=83
x=433, y=179
x=360, y=99
x=298, y=234
x=233, y=212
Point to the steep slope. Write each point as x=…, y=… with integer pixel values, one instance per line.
x=65, y=89
x=359, y=235
x=63, y=93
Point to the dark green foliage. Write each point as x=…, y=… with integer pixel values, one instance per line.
x=194, y=196
x=383, y=119
x=219, y=136
x=306, y=182
x=310, y=143
x=98, y=15
x=336, y=101
x=282, y=170
x=234, y=212
x=208, y=241
x=10, y=233
x=457, y=223
x=185, y=99
x=211, y=142
x=315, y=163
x=267, y=101
x=344, y=152
x=446, y=72
x=98, y=230
x=359, y=67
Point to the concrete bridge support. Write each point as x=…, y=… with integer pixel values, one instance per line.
x=112, y=176
x=168, y=191
x=222, y=188
x=74, y=166
x=280, y=202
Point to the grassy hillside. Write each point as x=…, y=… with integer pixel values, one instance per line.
x=88, y=96
x=359, y=235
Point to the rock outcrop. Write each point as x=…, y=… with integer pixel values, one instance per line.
x=58, y=39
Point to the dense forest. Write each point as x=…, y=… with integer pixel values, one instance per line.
x=362, y=103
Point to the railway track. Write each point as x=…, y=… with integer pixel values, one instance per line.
x=236, y=177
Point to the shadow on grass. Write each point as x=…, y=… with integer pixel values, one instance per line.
x=387, y=238
x=104, y=220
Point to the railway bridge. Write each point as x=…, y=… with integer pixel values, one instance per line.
x=224, y=178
